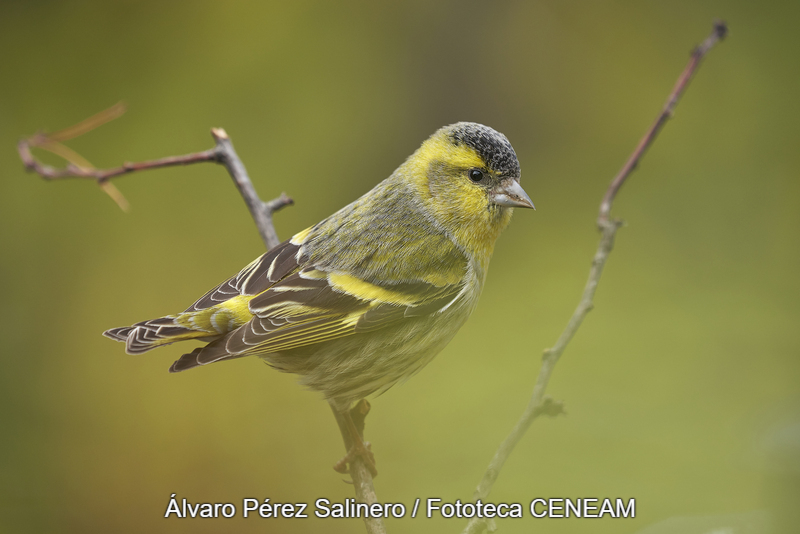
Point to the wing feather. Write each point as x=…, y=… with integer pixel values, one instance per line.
x=309, y=306
x=255, y=278
x=298, y=302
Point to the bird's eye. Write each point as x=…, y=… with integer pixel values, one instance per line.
x=475, y=175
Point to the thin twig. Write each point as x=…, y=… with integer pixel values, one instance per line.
x=539, y=404
x=100, y=175
x=718, y=33
x=78, y=167
x=260, y=211
x=362, y=478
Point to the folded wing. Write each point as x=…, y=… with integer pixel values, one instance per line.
x=309, y=306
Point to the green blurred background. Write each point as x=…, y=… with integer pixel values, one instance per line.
x=682, y=387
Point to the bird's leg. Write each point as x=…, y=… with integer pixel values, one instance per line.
x=351, y=422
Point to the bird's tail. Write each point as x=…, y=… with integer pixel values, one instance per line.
x=148, y=335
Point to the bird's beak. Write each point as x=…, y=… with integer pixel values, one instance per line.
x=510, y=194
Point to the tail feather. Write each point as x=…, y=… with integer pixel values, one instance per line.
x=187, y=361
x=118, y=334
x=213, y=352
x=147, y=335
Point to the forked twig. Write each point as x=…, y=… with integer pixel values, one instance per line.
x=78, y=167
x=539, y=404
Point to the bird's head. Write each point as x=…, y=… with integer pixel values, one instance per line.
x=468, y=175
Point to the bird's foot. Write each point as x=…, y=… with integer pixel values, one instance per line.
x=361, y=450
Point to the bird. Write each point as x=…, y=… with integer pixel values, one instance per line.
x=367, y=297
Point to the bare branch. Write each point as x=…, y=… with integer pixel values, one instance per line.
x=719, y=32
x=73, y=170
x=362, y=478
x=540, y=404
x=260, y=211
x=78, y=167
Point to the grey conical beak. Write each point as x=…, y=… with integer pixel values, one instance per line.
x=511, y=195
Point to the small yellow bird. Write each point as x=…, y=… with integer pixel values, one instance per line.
x=368, y=296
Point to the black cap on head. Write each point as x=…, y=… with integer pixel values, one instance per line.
x=490, y=144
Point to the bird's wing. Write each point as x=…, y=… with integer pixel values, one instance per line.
x=311, y=306
x=255, y=278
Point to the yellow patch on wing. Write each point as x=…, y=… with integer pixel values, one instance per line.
x=237, y=308
x=300, y=237
x=312, y=306
x=324, y=331
x=360, y=289
x=219, y=319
